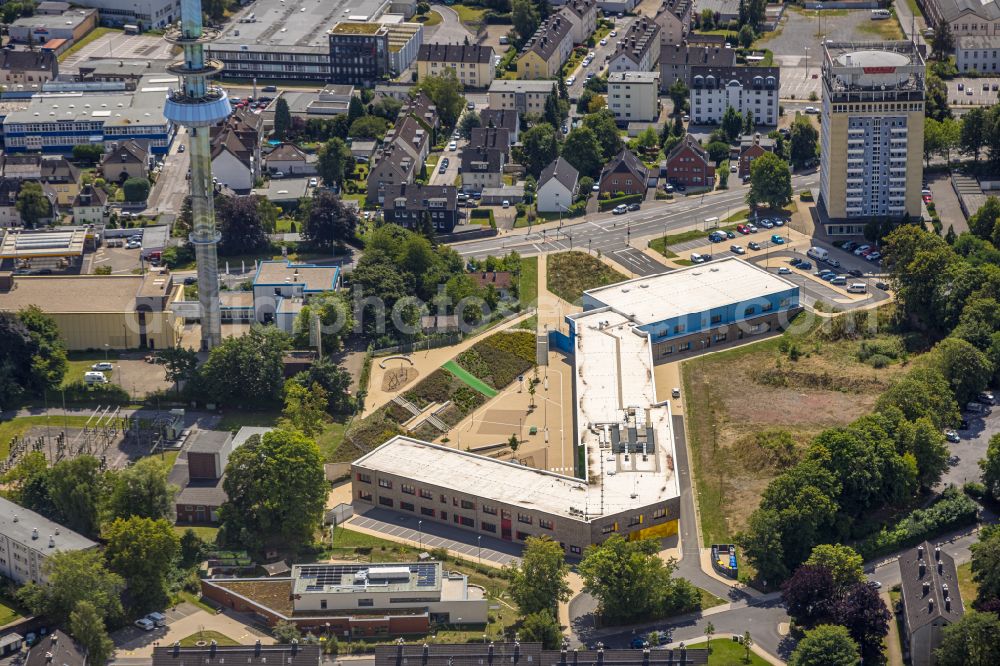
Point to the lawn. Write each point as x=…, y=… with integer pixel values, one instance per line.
x=19, y=426
x=207, y=637
x=429, y=19
x=8, y=611
x=234, y=420
x=663, y=242
x=726, y=652
x=206, y=533
x=471, y=17
x=966, y=586
x=914, y=7
x=94, y=34
x=742, y=402
x=709, y=600
x=569, y=274
x=528, y=281
x=329, y=440
x=887, y=30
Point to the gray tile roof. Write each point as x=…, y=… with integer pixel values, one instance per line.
x=505, y=118
x=747, y=76
x=456, y=53
x=688, y=142
x=527, y=654
x=209, y=441
x=626, y=162
x=20, y=524
x=245, y=655
x=62, y=649
x=417, y=196
x=953, y=9
x=548, y=36
x=564, y=172
x=941, y=600
x=684, y=54
x=638, y=39
x=34, y=61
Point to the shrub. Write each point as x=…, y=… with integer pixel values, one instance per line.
x=890, y=348
x=975, y=490
x=78, y=391
x=952, y=510
x=879, y=361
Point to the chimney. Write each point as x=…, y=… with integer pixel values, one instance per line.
x=926, y=588
x=941, y=568
x=517, y=651
x=930, y=605
x=15, y=517
x=295, y=646
x=600, y=654
x=34, y=533
x=937, y=553
x=944, y=589
x=48, y=657
x=211, y=647
x=645, y=656
x=426, y=653
x=52, y=541
x=947, y=604
x=256, y=648
x=562, y=654
x=922, y=567
x=920, y=552
x=489, y=654
x=177, y=647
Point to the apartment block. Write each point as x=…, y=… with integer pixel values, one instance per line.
x=747, y=89
x=634, y=96
x=472, y=63
x=28, y=538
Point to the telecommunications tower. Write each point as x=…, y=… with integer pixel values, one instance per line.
x=198, y=106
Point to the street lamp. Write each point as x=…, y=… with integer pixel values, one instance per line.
x=420, y=529
x=479, y=543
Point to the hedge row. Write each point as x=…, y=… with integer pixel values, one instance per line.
x=952, y=510
x=607, y=204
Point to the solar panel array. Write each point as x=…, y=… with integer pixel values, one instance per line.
x=326, y=575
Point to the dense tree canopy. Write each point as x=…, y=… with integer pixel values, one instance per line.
x=75, y=576
x=329, y=224
x=246, y=370
x=770, y=182
x=141, y=490
x=826, y=645
x=32, y=355
x=538, y=583
x=446, y=93
x=241, y=225
x=142, y=552
x=972, y=641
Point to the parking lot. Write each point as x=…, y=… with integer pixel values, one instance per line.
x=637, y=262
x=963, y=465
x=119, y=45
x=183, y=620
x=972, y=92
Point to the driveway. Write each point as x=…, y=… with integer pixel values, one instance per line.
x=946, y=202
x=183, y=621
x=963, y=465
x=450, y=30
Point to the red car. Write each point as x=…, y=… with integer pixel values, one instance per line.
x=742, y=228
x=928, y=198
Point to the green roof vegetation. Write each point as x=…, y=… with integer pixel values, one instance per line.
x=350, y=28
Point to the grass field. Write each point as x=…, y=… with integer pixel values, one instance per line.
x=569, y=274
x=207, y=637
x=727, y=653
x=708, y=600
x=471, y=17
x=528, y=288
x=660, y=244
x=736, y=397
x=234, y=420
x=428, y=19
x=9, y=611
x=886, y=30
x=206, y=533
x=329, y=440
x=967, y=587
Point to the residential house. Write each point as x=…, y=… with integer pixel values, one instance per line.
x=392, y=165
x=288, y=654
x=472, y=63
x=129, y=159
x=411, y=135
x=521, y=96
x=676, y=61
x=752, y=147
x=674, y=19
x=507, y=119
x=28, y=539
x=634, y=96
x=232, y=161
x=483, y=159
x=625, y=174
x=199, y=471
x=977, y=53
x=544, y=53
x=62, y=177
x=557, y=186
x=27, y=67
x=26, y=166
x=291, y=160
x=715, y=89
x=930, y=598
x=9, y=189
x=501, y=281
x=90, y=206
x=689, y=164
x=56, y=648
x=638, y=50
x=583, y=15
x=408, y=205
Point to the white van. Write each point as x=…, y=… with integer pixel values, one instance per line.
x=818, y=253
x=857, y=288
x=879, y=14
x=93, y=377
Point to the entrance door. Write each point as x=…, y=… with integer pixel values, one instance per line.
x=505, y=525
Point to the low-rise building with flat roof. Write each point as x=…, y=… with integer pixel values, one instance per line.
x=278, y=281
x=28, y=538
x=364, y=599
x=72, y=24
x=531, y=654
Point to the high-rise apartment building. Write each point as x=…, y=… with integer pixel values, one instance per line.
x=872, y=133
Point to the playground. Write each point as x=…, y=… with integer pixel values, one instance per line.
x=543, y=422
x=397, y=373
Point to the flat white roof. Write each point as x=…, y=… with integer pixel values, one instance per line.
x=694, y=289
x=511, y=483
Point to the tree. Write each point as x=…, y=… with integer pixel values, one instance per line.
x=513, y=442
x=246, y=369
x=843, y=563
x=747, y=645
x=285, y=632
x=942, y=43
x=732, y=123
x=762, y=544
x=27, y=483
x=678, y=93
x=470, y=121
x=141, y=490
x=972, y=641
x=583, y=151
x=983, y=222
x=76, y=488
x=630, y=581
x=539, y=582
x=718, y=151
x=142, y=552
x=986, y=557
x=276, y=491
x=75, y=576
x=809, y=594
x=770, y=182
x=136, y=189
x=804, y=142
x=355, y=109
x=709, y=632
x=179, y=364
x=603, y=125
x=966, y=369
x=334, y=161
x=539, y=147
x=334, y=380
x=975, y=131
x=864, y=614
x=240, y=225
x=541, y=627
x=89, y=153
x=282, y=119
x=329, y=224
x=647, y=139
x=826, y=645
x=368, y=127
x=748, y=122
x=446, y=93
x=552, y=113
x=937, y=106
x=305, y=409
x=47, y=351
x=32, y=204
x=991, y=467
x=87, y=627
x=746, y=36
x=388, y=108
x=525, y=18
x=335, y=318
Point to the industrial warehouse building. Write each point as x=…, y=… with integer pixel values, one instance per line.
x=625, y=480
x=357, y=599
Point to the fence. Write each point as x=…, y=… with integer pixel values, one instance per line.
x=445, y=339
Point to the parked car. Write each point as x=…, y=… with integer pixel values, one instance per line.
x=777, y=239
x=453, y=145
x=189, y=280
x=952, y=436
x=987, y=398
x=737, y=249
x=858, y=251
x=633, y=206
x=752, y=227
x=313, y=182
x=638, y=643
x=681, y=187
x=697, y=258
x=833, y=262
x=730, y=234
x=873, y=256
x=882, y=285
x=753, y=246
x=795, y=261
x=668, y=188
x=620, y=209
x=103, y=365
x=812, y=110
x=784, y=270
x=145, y=624
x=742, y=228
x=159, y=619
x=805, y=265
x=854, y=272
x=839, y=280
x=767, y=224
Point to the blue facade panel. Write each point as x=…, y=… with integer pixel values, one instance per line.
x=695, y=322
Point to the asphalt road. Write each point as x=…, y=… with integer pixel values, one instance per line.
x=171, y=184
x=599, y=64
